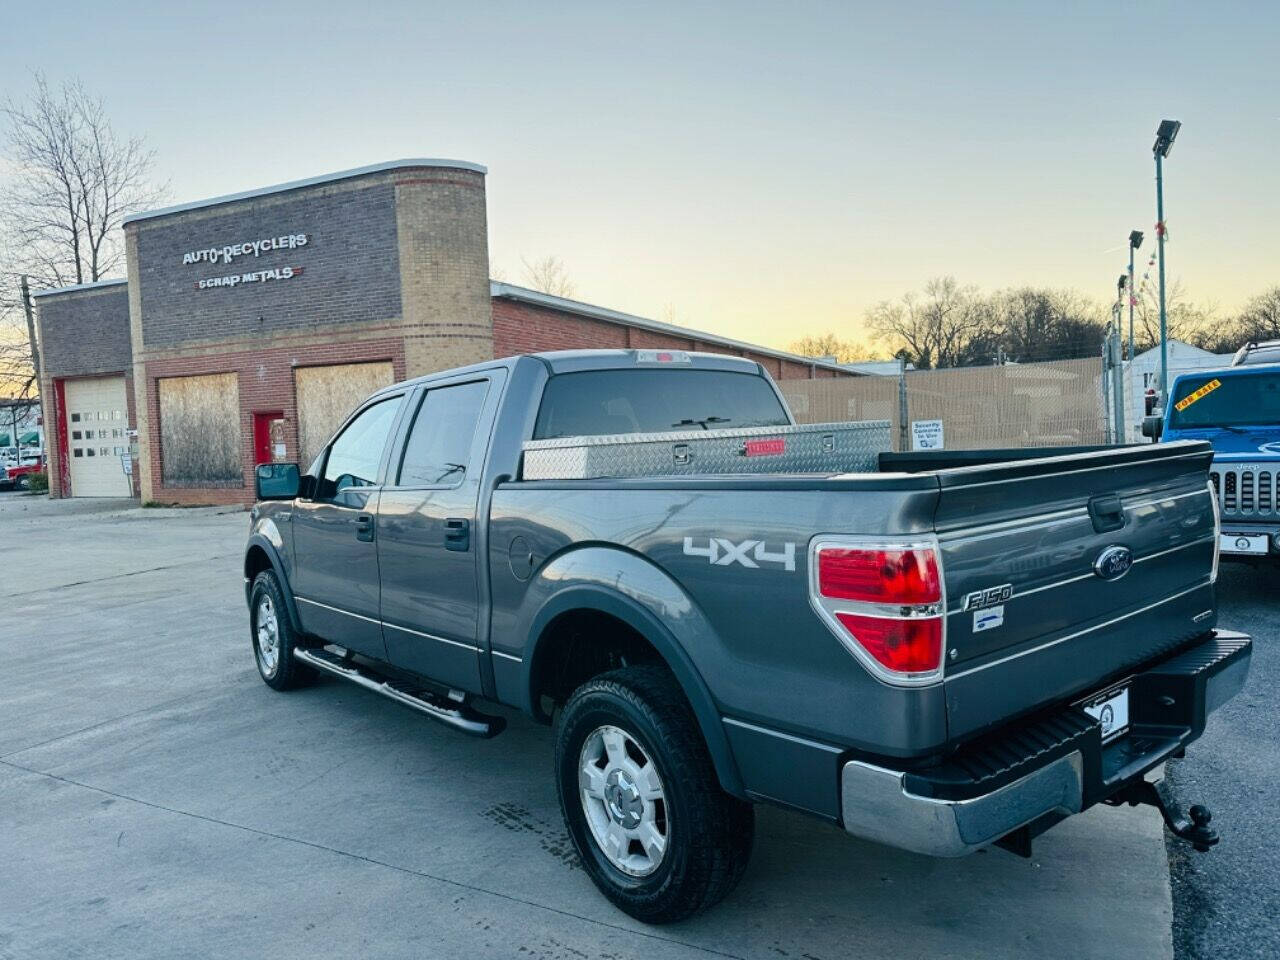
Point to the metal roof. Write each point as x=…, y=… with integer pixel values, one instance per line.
x=508, y=291
x=52, y=291
x=309, y=182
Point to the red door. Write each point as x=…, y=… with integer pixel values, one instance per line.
x=268, y=437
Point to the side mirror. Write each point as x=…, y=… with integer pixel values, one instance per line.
x=1153, y=427
x=277, y=481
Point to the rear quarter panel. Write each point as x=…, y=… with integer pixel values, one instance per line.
x=749, y=631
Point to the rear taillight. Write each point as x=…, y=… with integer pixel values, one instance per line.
x=893, y=575
x=885, y=603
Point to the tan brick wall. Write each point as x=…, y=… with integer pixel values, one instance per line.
x=444, y=269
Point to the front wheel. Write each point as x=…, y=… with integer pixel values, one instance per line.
x=273, y=636
x=23, y=482
x=641, y=800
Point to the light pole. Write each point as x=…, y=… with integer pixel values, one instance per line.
x=1165, y=134
x=1135, y=241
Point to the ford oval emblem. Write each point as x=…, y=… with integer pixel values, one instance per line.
x=1113, y=563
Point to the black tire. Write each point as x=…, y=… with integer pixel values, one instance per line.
x=708, y=832
x=23, y=482
x=288, y=673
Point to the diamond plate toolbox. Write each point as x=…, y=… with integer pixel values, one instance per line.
x=812, y=448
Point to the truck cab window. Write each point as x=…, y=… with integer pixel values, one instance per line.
x=599, y=402
x=354, y=456
x=439, y=443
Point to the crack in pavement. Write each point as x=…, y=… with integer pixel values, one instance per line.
x=95, y=726
x=372, y=861
x=119, y=576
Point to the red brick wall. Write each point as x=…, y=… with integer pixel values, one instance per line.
x=526, y=328
x=266, y=384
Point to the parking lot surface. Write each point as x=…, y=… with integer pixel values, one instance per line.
x=158, y=800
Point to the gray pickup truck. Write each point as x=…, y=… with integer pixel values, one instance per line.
x=716, y=607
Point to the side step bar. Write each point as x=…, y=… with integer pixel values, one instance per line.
x=456, y=714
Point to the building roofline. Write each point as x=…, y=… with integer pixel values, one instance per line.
x=509, y=291
x=76, y=288
x=308, y=182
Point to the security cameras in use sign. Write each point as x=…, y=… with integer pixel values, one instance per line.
x=926, y=434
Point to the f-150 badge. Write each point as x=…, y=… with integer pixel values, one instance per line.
x=750, y=553
x=989, y=597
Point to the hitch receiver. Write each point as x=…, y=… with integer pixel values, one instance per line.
x=1194, y=829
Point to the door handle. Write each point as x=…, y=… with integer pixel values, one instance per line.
x=457, y=534
x=364, y=527
x=1107, y=513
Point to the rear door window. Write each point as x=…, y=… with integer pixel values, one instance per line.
x=600, y=402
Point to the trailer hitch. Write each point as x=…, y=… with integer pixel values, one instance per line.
x=1193, y=828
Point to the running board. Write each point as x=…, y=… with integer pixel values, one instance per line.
x=454, y=713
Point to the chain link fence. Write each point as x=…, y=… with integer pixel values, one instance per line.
x=1014, y=405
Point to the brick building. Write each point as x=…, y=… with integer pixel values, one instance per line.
x=87, y=371
x=251, y=324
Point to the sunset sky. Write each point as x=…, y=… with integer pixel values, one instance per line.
x=758, y=170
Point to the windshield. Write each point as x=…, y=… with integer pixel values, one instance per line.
x=1226, y=401
x=600, y=402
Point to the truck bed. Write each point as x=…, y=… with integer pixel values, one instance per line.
x=1033, y=526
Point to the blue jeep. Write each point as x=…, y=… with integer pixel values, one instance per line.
x=1238, y=411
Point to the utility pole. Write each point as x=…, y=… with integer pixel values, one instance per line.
x=1135, y=241
x=35, y=363
x=1165, y=135
x=903, y=428
x=1117, y=386
x=31, y=328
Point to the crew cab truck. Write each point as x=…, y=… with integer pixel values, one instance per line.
x=938, y=652
x=1237, y=411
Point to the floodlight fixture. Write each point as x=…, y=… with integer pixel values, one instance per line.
x=1165, y=135
x=1135, y=239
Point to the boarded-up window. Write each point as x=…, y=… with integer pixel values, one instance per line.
x=327, y=395
x=200, y=431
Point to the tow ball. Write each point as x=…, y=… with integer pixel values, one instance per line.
x=1193, y=828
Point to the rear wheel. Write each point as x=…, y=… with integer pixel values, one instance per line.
x=641, y=800
x=23, y=482
x=273, y=636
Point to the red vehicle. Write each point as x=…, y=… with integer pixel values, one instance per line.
x=19, y=478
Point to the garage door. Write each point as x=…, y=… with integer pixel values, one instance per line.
x=97, y=437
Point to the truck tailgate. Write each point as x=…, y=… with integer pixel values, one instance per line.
x=1063, y=574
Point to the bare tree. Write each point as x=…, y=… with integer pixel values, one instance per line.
x=949, y=326
x=1185, y=320
x=1260, y=318
x=549, y=275
x=829, y=344
x=1038, y=324
x=72, y=179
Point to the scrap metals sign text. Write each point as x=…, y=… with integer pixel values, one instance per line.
x=257, y=276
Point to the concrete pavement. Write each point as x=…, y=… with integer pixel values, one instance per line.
x=158, y=800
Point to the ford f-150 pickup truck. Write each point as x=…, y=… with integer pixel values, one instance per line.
x=716, y=607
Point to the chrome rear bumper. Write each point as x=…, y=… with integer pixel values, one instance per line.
x=879, y=804
x=876, y=805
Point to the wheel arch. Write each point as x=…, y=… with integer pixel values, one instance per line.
x=261, y=554
x=645, y=608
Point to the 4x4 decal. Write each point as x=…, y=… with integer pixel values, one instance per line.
x=750, y=553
